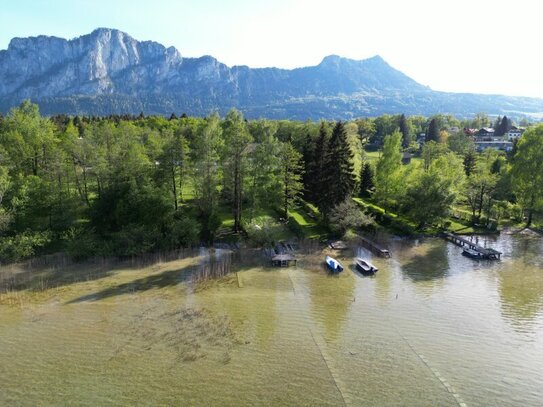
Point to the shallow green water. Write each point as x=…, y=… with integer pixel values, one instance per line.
x=432, y=328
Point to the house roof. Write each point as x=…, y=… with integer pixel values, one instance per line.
x=487, y=130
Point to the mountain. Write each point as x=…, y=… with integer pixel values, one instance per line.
x=108, y=71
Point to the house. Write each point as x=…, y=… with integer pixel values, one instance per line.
x=469, y=132
x=514, y=133
x=482, y=145
x=406, y=158
x=485, y=134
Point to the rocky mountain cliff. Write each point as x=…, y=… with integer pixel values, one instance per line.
x=108, y=71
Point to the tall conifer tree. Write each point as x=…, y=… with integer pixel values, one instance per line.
x=338, y=170
x=317, y=178
x=404, y=129
x=366, y=180
x=433, y=131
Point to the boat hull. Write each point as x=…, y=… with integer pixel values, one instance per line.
x=333, y=265
x=365, y=267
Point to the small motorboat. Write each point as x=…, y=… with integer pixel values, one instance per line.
x=472, y=253
x=365, y=266
x=334, y=265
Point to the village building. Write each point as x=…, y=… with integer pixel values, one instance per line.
x=485, y=134
x=514, y=133
x=502, y=145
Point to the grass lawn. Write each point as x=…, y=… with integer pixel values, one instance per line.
x=308, y=224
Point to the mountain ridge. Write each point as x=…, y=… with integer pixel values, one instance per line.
x=107, y=71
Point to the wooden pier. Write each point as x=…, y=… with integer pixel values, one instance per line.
x=374, y=247
x=485, y=252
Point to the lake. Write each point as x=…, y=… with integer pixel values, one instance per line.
x=431, y=328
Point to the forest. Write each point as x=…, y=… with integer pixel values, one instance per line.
x=127, y=185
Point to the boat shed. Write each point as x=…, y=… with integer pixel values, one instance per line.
x=283, y=260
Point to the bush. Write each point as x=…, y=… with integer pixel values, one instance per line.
x=186, y=231
x=82, y=244
x=23, y=245
x=263, y=231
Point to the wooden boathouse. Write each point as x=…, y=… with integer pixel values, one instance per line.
x=485, y=252
x=283, y=260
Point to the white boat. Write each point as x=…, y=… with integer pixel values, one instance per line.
x=334, y=265
x=365, y=266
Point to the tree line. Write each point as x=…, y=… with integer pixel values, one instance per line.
x=126, y=185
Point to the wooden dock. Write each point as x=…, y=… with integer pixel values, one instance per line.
x=485, y=252
x=374, y=247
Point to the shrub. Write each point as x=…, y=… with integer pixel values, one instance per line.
x=23, y=245
x=263, y=231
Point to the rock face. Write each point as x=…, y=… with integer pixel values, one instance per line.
x=107, y=71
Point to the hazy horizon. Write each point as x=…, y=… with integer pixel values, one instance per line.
x=466, y=47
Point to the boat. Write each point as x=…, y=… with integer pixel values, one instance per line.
x=474, y=254
x=334, y=265
x=365, y=266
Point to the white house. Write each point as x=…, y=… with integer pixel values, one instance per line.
x=514, y=133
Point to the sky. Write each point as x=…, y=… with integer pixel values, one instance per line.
x=477, y=46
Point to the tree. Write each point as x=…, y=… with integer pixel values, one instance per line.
x=404, y=129
x=28, y=138
x=384, y=125
x=317, y=179
x=5, y=217
x=355, y=146
x=433, y=131
x=470, y=160
x=206, y=173
x=527, y=170
x=291, y=176
x=460, y=143
x=388, y=180
x=340, y=180
x=481, y=184
x=432, y=151
x=503, y=127
x=236, y=140
x=432, y=193
x=366, y=180
x=347, y=215
x=172, y=162
x=366, y=129
x=265, y=174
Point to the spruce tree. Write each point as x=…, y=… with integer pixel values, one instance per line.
x=404, y=129
x=470, y=159
x=433, y=131
x=317, y=180
x=366, y=180
x=338, y=170
x=497, y=123
x=503, y=127
x=307, y=156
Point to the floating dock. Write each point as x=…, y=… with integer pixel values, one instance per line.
x=374, y=247
x=485, y=252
